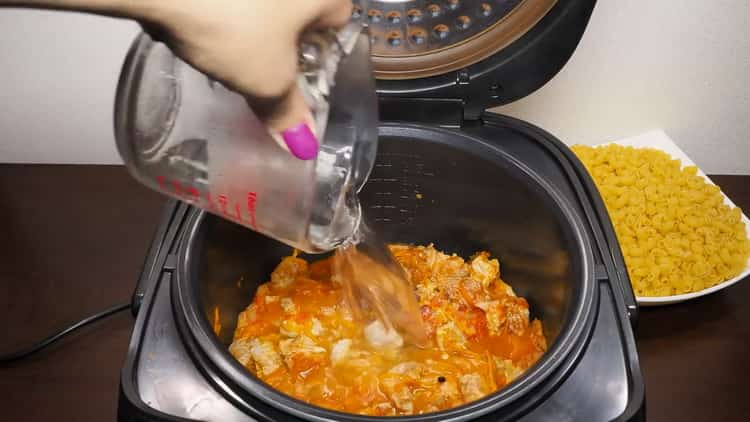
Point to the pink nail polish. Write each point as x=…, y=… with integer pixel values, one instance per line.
x=301, y=141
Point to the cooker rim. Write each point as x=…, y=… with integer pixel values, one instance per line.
x=564, y=351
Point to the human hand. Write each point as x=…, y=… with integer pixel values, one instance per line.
x=249, y=45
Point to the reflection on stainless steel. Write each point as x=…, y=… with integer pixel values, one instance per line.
x=168, y=380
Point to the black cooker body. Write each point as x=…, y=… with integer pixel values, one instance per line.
x=511, y=188
x=429, y=185
x=451, y=174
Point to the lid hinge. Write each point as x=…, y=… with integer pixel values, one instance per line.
x=474, y=96
x=466, y=102
x=433, y=111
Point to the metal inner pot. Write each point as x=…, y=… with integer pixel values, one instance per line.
x=429, y=185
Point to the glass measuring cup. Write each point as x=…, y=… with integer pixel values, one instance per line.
x=187, y=136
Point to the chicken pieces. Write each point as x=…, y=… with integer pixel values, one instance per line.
x=300, y=337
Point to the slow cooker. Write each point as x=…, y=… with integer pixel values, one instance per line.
x=448, y=173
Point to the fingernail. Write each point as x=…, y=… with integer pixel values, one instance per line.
x=301, y=141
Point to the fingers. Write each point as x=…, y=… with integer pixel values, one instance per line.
x=251, y=46
x=290, y=120
x=323, y=14
x=334, y=14
x=292, y=126
x=287, y=115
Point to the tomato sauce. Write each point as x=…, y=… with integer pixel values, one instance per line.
x=300, y=336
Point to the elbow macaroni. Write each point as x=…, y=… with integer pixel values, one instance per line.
x=676, y=233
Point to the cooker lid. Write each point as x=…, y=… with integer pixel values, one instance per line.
x=482, y=52
x=416, y=38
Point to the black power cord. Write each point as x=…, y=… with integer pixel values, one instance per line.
x=21, y=354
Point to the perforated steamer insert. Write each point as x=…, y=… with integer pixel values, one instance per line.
x=447, y=173
x=415, y=38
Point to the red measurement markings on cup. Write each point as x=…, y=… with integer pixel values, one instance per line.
x=194, y=194
x=223, y=204
x=251, y=198
x=211, y=204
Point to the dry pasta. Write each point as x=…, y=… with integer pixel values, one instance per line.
x=675, y=231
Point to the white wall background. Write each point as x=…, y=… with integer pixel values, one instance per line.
x=58, y=73
x=680, y=65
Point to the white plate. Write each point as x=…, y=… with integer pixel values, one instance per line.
x=659, y=140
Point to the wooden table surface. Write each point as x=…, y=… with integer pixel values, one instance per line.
x=74, y=239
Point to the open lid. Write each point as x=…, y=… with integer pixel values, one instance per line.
x=477, y=53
